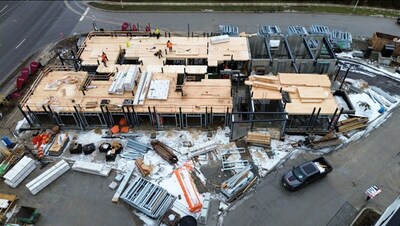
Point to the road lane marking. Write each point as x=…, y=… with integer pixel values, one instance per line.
x=20, y=44
x=84, y=14
x=3, y=8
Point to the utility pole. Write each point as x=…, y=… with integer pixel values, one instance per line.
x=355, y=6
x=122, y=6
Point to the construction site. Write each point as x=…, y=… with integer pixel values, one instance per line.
x=187, y=124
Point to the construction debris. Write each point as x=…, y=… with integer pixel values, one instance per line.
x=123, y=184
x=143, y=168
x=164, y=151
x=323, y=143
x=44, y=179
x=148, y=198
x=8, y=202
x=92, y=168
x=231, y=163
x=201, y=148
x=237, y=184
x=205, y=209
x=19, y=172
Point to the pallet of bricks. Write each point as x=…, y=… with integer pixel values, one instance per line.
x=260, y=138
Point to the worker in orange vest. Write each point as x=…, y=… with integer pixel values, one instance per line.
x=104, y=59
x=169, y=45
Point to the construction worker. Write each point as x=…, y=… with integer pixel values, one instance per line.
x=159, y=53
x=104, y=59
x=157, y=33
x=169, y=45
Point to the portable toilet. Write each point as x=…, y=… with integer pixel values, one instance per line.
x=34, y=66
x=25, y=72
x=20, y=82
x=124, y=26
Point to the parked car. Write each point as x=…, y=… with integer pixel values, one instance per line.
x=306, y=173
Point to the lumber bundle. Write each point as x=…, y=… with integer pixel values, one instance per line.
x=92, y=168
x=259, y=138
x=164, y=151
x=50, y=175
x=352, y=124
x=19, y=172
x=91, y=104
x=323, y=143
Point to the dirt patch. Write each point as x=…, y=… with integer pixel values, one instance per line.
x=367, y=217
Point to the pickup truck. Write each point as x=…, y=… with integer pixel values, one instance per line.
x=306, y=173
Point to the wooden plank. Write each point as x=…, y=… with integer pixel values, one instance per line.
x=312, y=92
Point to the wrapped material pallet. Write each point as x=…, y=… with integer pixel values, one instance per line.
x=19, y=172
x=50, y=175
x=93, y=168
x=219, y=39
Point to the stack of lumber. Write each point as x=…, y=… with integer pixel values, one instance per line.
x=19, y=172
x=92, y=168
x=164, y=151
x=352, y=124
x=259, y=138
x=323, y=143
x=59, y=144
x=50, y=175
x=91, y=104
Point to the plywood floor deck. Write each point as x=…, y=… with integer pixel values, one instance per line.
x=143, y=48
x=306, y=91
x=63, y=97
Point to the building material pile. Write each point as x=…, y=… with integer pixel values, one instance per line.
x=189, y=188
x=341, y=39
x=50, y=175
x=164, y=151
x=8, y=203
x=238, y=184
x=127, y=177
x=134, y=149
x=202, y=148
x=219, y=39
x=124, y=81
x=148, y=198
x=352, y=124
x=143, y=168
x=230, y=163
x=19, y=172
x=263, y=138
x=92, y=168
x=205, y=208
x=11, y=160
x=60, y=142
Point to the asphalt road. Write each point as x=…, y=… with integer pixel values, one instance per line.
x=335, y=199
x=26, y=26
